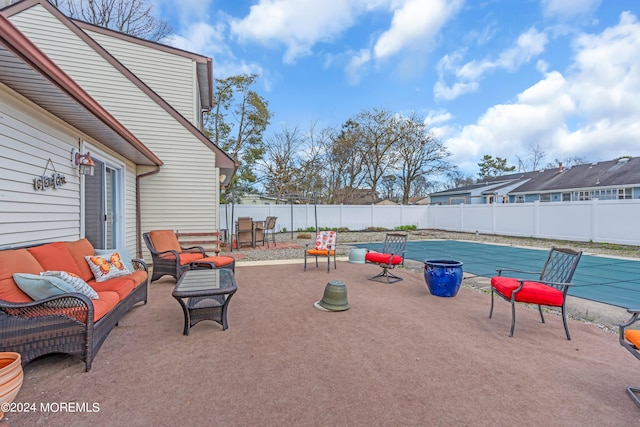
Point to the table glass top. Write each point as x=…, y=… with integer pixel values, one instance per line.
x=197, y=280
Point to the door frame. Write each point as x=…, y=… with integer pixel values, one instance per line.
x=119, y=186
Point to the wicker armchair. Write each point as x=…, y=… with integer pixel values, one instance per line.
x=169, y=258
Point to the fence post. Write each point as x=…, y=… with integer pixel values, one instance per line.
x=536, y=218
x=594, y=220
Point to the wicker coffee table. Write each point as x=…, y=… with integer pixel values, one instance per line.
x=205, y=295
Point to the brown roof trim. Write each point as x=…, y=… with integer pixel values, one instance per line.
x=23, y=48
x=223, y=160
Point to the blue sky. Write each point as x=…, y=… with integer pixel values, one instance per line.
x=489, y=76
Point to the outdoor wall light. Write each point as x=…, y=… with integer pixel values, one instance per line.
x=83, y=162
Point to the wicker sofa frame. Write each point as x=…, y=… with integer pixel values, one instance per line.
x=26, y=328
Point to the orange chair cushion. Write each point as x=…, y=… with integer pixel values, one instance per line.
x=78, y=250
x=319, y=252
x=185, y=257
x=16, y=261
x=121, y=285
x=219, y=261
x=55, y=257
x=382, y=258
x=532, y=292
x=633, y=336
x=164, y=240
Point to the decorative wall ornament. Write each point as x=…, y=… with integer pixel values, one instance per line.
x=45, y=181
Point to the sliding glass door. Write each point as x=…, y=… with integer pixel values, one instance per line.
x=103, y=201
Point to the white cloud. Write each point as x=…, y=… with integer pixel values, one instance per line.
x=209, y=40
x=528, y=45
x=591, y=112
x=566, y=10
x=356, y=65
x=415, y=23
x=297, y=24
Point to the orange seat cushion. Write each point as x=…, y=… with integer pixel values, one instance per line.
x=121, y=285
x=101, y=306
x=318, y=252
x=79, y=249
x=185, y=257
x=382, y=258
x=164, y=240
x=138, y=277
x=16, y=261
x=106, y=301
x=633, y=336
x=55, y=257
x=219, y=261
x=532, y=292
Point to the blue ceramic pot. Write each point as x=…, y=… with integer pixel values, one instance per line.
x=443, y=277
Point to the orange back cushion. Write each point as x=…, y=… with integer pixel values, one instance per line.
x=165, y=240
x=16, y=261
x=78, y=250
x=55, y=257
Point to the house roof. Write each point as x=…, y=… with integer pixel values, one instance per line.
x=28, y=71
x=610, y=173
x=223, y=161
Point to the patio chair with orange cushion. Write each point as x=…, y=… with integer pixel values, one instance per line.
x=630, y=339
x=169, y=258
x=549, y=289
x=325, y=247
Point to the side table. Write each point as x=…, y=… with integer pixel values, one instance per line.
x=205, y=295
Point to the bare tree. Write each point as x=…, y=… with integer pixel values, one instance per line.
x=312, y=176
x=533, y=159
x=133, y=17
x=419, y=153
x=458, y=179
x=280, y=166
x=344, y=164
x=377, y=129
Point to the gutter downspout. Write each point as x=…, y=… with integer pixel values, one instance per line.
x=138, y=216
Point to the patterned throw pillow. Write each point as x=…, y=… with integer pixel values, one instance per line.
x=105, y=268
x=125, y=256
x=74, y=281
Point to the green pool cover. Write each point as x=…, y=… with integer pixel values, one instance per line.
x=613, y=281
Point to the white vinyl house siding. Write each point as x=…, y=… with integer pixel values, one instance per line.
x=29, y=137
x=184, y=194
x=170, y=76
x=27, y=141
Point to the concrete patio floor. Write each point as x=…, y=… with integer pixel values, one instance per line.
x=398, y=356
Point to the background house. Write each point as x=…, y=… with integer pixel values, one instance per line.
x=157, y=94
x=608, y=180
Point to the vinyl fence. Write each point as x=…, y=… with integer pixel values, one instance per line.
x=610, y=221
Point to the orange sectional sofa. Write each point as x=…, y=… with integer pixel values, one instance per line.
x=66, y=315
